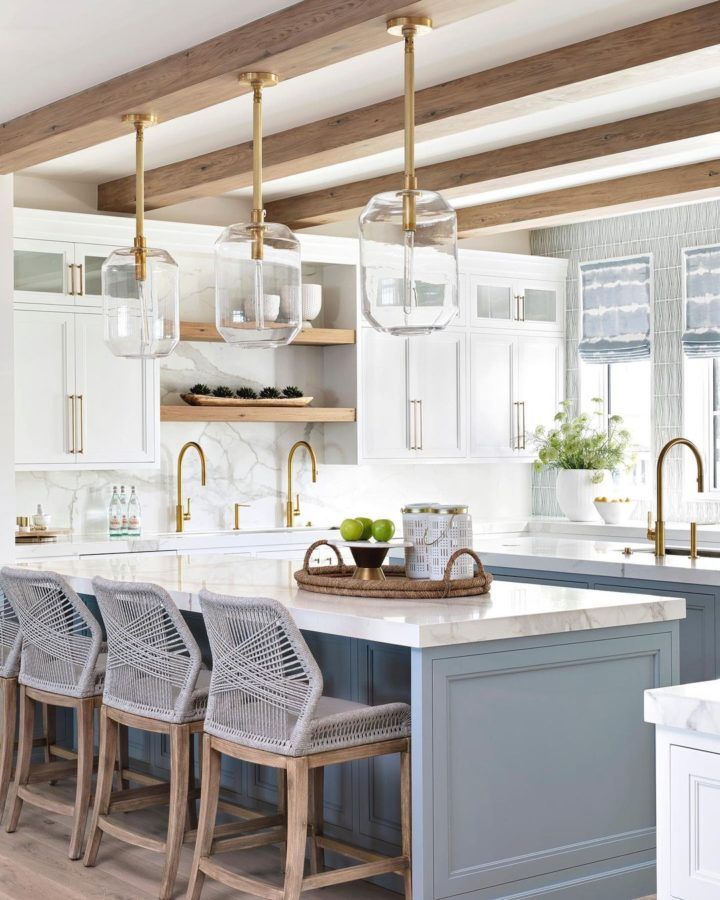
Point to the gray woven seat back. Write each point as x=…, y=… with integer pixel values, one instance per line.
x=61, y=638
x=10, y=637
x=153, y=659
x=265, y=683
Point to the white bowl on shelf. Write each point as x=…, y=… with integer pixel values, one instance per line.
x=311, y=303
x=614, y=512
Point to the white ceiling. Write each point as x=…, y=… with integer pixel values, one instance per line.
x=37, y=59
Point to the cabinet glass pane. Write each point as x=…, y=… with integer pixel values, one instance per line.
x=91, y=272
x=539, y=305
x=40, y=272
x=493, y=301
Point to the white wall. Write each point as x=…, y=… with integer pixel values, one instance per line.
x=7, y=444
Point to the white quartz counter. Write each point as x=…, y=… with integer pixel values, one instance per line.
x=562, y=555
x=692, y=707
x=508, y=611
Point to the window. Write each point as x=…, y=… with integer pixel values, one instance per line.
x=701, y=418
x=625, y=389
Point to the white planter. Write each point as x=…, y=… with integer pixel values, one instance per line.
x=575, y=491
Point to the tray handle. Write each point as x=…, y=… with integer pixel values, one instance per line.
x=308, y=554
x=451, y=562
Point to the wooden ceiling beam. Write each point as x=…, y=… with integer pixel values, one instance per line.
x=308, y=35
x=469, y=174
x=567, y=73
x=591, y=200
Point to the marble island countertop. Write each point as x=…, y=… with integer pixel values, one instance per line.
x=692, y=707
x=510, y=610
x=565, y=555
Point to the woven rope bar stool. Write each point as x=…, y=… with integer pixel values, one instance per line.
x=266, y=707
x=155, y=681
x=61, y=665
x=10, y=643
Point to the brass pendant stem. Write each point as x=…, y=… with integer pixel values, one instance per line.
x=139, y=121
x=258, y=212
x=409, y=199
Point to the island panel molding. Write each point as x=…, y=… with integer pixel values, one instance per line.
x=572, y=151
x=639, y=54
x=296, y=40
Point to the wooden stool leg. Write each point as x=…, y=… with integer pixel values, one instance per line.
x=22, y=766
x=317, y=805
x=192, y=804
x=281, y=787
x=406, y=818
x=297, y=819
x=179, y=764
x=123, y=756
x=9, y=688
x=106, y=762
x=209, y=795
x=49, y=720
x=84, y=711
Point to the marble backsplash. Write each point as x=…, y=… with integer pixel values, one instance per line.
x=246, y=463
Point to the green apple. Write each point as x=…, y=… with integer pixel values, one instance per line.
x=383, y=530
x=352, y=530
x=367, y=527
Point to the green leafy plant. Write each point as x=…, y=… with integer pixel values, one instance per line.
x=246, y=393
x=581, y=443
x=292, y=391
x=201, y=389
x=223, y=391
x=270, y=393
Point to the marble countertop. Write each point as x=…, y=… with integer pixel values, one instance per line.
x=550, y=553
x=510, y=610
x=692, y=707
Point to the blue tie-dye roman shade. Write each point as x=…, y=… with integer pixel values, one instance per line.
x=615, y=295
x=701, y=337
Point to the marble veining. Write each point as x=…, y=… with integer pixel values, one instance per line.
x=510, y=610
x=692, y=707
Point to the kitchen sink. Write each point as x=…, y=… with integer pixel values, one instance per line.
x=676, y=551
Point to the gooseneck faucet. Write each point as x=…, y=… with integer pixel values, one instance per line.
x=658, y=533
x=294, y=510
x=182, y=516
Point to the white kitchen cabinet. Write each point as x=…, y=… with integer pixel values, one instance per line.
x=413, y=396
x=77, y=405
x=58, y=272
x=516, y=384
x=503, y=301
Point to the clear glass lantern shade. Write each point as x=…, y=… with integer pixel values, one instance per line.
x=142, y=314
x=258, y=301
x=409, y=279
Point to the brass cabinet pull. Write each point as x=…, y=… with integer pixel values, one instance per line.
x=419, y=403
x=71, y=280
x=522, y=430
x=413, y=424
x=81, y=287
x=82, y=426
x=516, y=435
x=71, y=447
x=522, y=307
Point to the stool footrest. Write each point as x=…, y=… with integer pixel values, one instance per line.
x=37, y=798
x=130, y=835
x=275, y=835
x=355, y=873
x=139, y=798
x=243, y=883
x=44, y=772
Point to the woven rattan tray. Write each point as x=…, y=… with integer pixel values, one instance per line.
x=397, y=586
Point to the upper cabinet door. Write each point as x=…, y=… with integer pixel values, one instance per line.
x=44, y=271
x=89, y=259
x=493, y=415
x=437, y=394
x=385, y=409
x=116, y=401
x=540, y=305
x=490, y=300
x=44, y=388
x=539, y=385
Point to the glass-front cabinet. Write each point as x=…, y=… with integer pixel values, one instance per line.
x=58, y=272
x=505, y=302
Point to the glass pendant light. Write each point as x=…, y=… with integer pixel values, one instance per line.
x=257, y=263
x=141, y=285
x=408, y=238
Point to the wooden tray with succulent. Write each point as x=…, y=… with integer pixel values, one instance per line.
x=202, y=395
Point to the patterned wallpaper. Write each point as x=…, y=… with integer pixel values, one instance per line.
x=664, y=233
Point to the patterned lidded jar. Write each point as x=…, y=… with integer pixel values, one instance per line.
x=416, y=522
x=450, y=529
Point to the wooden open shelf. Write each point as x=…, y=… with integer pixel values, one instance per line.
x=313, y=337
x=256, y=414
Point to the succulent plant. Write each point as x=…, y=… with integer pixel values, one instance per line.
x=270, y=393
x=292, y=391
x=246, y=393
x=223, y=391
x=201, y=389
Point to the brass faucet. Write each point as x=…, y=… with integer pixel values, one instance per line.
x=181, y=515
x=657, y=533
x=290, y=510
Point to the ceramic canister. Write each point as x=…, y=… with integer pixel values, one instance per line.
x=450, y=529
x=416, y=522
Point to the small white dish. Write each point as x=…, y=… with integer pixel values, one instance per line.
x=614, y=512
